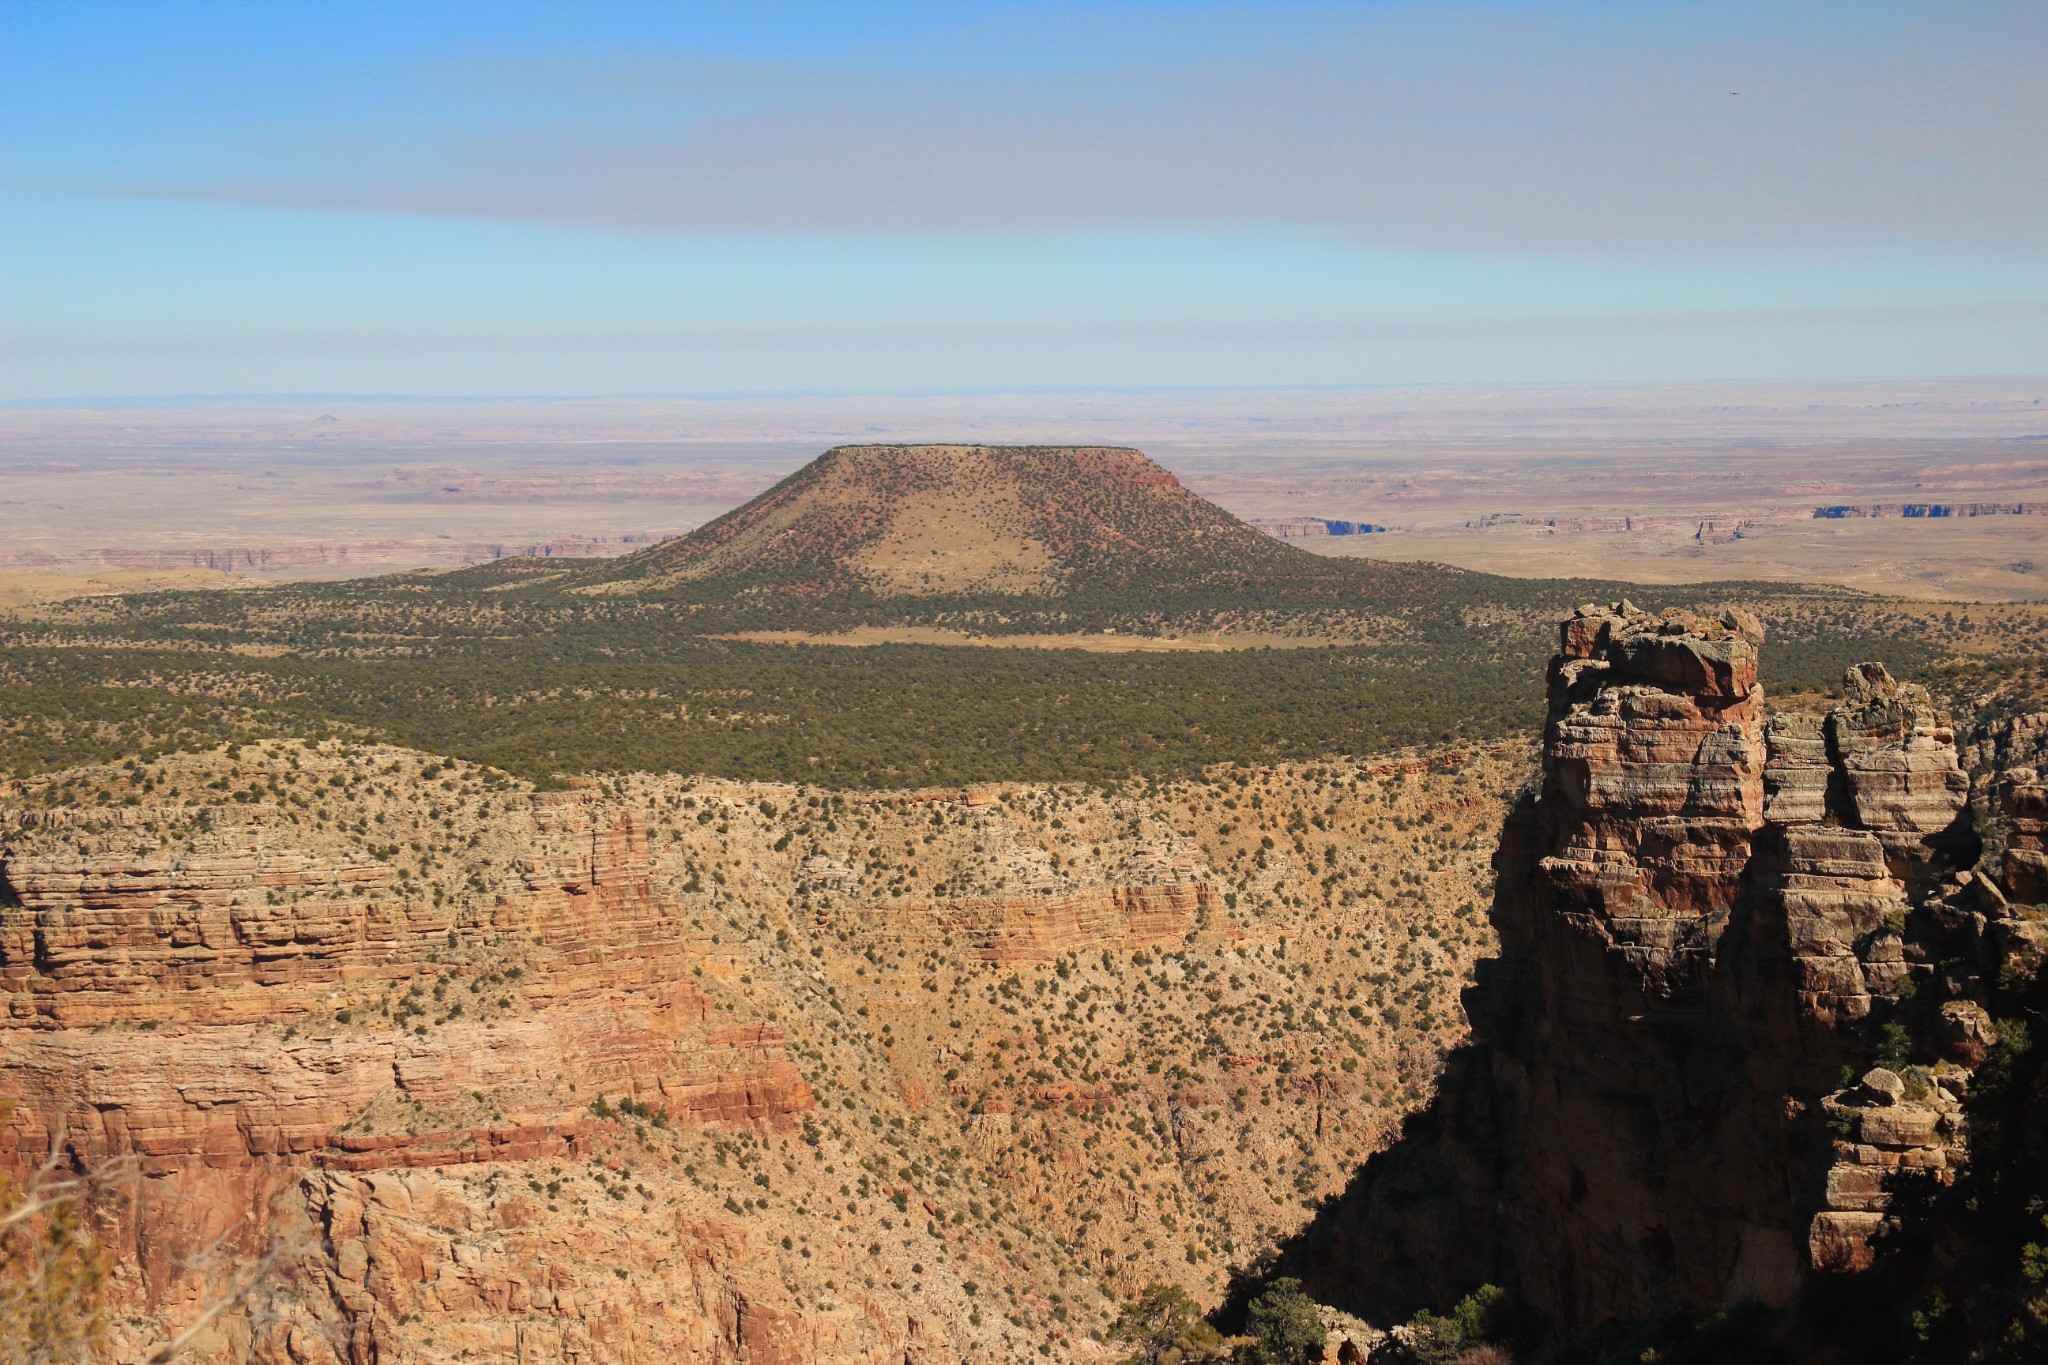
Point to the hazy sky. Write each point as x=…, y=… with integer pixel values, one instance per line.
x=444, y=198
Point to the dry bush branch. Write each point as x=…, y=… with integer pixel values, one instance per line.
x=54, y=1273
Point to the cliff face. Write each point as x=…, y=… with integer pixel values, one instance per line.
x=260, y=935
x=1706, y=914
x=238, y=1136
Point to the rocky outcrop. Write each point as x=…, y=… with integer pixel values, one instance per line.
x=2023, y=801
x=1886, y=1127
x=489, y=1269
x=1706, y=914
x=1894, y=760
x=2019, y=741
x=1618, y=887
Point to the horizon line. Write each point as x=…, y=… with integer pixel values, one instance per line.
x=734, y=395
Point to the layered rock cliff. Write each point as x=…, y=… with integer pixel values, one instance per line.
x=196, y=943
x=1709, y=917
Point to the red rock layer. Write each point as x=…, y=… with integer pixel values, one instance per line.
x=248, y=933
x=410, y=1245
x=221, y=1116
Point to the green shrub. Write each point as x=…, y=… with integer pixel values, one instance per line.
x=1284, y=1327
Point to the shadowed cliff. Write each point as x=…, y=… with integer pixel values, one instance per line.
x=1712, y=921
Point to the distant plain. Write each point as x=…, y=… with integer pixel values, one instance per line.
x=1676, y=484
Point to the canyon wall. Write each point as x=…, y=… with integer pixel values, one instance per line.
x=688, y=1069
x=142, y=980
x=1710, y=916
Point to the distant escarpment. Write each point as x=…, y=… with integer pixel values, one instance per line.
x=370, y=554
x=1842, y=511
x=1745, y=967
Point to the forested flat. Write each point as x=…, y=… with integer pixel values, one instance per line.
x=583, y=697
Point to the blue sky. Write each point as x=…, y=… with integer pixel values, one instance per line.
x=624, y=198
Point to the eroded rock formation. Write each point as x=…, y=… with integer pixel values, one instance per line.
x=2023, y=800
x=1707, y=914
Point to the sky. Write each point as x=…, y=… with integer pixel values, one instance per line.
x=613, y=198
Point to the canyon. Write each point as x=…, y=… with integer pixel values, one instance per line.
x=372, y=1053
x=647, y=1066
x=688, y=1069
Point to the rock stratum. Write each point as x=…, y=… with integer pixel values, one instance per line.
x=137, y=992
x=1714, y=922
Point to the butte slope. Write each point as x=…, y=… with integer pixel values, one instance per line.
x=1053, y=536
